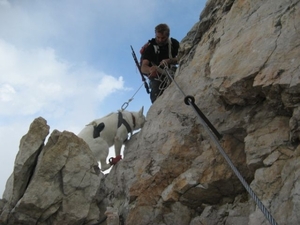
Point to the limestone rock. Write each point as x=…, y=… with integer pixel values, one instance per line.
x=241, y=63
x=112, y=216
x=31, y=145
x=62, y=184
x=294, y=125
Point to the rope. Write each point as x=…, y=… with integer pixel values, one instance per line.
x=164, y=79
x=213, y=135
x=164, y=83
x=125, y=105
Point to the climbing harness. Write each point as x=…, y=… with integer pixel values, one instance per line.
x=122, y=121
x=216, y=136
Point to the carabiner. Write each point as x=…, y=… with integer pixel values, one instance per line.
x=124, y=106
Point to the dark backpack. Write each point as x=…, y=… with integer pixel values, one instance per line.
x=156, y=49
x=143, y=49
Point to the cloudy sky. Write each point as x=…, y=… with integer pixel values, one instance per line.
x=69, y=61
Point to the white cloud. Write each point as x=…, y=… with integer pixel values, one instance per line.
x=4, y=3
x=36, y=81
x=69, y=24
x=109, y=85
x=6, y=92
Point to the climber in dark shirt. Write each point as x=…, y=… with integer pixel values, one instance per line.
x=161, y=51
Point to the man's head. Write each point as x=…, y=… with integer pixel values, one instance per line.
x=162, y=33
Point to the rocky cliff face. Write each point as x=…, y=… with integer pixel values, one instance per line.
x=241, y=62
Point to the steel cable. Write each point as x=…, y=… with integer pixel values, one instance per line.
x=189, y=100
x=125, y=105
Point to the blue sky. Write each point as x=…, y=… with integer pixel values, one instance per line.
x=69, y=61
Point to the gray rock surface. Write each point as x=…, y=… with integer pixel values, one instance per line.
x=59, y=184
x=241, y=62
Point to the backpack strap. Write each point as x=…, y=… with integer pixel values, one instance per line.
x=156, y=49
x=170, y=48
